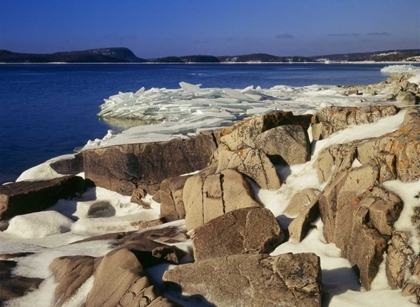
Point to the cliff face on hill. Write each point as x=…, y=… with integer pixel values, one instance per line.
x=107, y=55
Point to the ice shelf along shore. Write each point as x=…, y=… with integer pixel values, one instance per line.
x=192, y=108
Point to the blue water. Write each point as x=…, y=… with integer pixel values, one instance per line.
x=49, y=109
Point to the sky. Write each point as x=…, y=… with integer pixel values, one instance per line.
x=158, y=28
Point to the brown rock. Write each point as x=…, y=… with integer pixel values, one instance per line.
x=32, y=196
x=71, y=272
x=300, y=226
x=121, y=281
x=124, y=168
x=399, y=260
x=137, y=195
x=252, y=163
x=209, y=196
x=170, y=195
x=241, y=135
x=252, y=280
x=300, y=201
x=71, y=165
x=406, y=98
x=147, y=224
x=284, y=144
x=236, y=232
x=332, y=119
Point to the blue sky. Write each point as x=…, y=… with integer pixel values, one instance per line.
x=157, y=28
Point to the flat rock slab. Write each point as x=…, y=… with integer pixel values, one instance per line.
x=123, y=168
x=240, y=231
x=32, y=196
x=251, y=280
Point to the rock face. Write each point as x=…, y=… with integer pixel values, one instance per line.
x=170, y=196
x=252, y=280
x=124, y=168
x=242, y=134
x=252, y=163
x=207, y=196
x=246, y=230
x=72, y=165
x=71, y=272
x=32, y=196
x=332, y=119
x=286, y=144
x=121, y=281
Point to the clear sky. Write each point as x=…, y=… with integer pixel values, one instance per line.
x=157, y=28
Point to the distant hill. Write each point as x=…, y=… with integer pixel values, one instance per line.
x=262, y=57
x=108, y=55
x=125, y=55
x=379, y=56
x=188, y=59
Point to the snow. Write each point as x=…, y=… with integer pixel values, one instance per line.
x=187, y=110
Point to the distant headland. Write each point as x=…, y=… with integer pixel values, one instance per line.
x=125, y=55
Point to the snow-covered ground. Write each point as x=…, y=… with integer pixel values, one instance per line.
x=47, y=234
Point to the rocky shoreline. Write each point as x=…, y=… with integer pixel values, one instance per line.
x=232, y=235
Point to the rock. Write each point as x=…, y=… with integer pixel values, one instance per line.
x=252, y=163
x=70, y=165
x=149, y=223
x=209, y=196
x=241, y=135
x=120, y=280
x=14, y=286
x=334, y=159
x=170, y=196
x=247, y=230
x=399, y=260
x=252, y=280
x=406, y=98
x=332, y=119
x=300, y=201
x=124, y=168
x=32, y=196
x=137, y=195
x=284, y=144
x=412, y=289
x=71, y=272
x=300, y=226
x=352, y=92
x=358, y=217
x=384, y=209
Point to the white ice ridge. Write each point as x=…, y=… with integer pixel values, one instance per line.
x=400, y=69
x=191, y=108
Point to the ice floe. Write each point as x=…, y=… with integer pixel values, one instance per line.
x=401, y=69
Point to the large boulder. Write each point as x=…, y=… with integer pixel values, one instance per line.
x=252, y=280
x=242, y=134
x=252, y=163
x=32, y=196
x=358, y=216
x=123, y=168
x=332, y=119
x=207, y=196
x=170, y=197
x=120, y=280
x=288, y=144
x=68, y=165
x=240, y=231
x=301, y=201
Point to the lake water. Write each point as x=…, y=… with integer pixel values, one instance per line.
x=49, y=109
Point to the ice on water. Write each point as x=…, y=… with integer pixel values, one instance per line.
x=192, y=108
